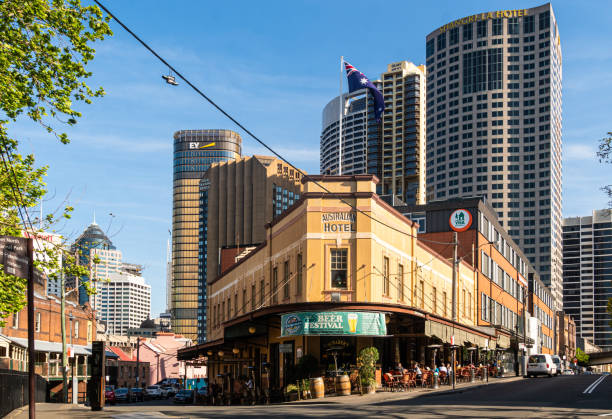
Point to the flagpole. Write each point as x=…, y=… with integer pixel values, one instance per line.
x=340, y=118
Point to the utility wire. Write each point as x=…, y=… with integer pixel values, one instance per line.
x=231, y=118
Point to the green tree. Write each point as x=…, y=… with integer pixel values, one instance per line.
x=605, y=156
x=45, y=46
x=583, y=359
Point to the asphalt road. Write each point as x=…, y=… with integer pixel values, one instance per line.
x=558, y=397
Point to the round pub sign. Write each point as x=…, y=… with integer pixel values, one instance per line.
x=460, y=220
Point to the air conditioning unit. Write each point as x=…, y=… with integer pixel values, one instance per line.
x=335, y=297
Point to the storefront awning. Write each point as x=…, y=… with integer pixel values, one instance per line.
x=333, y=323
x=444, y=333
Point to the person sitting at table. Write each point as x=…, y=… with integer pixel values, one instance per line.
x=399, y=369
x=418, y=371
x=443, y=369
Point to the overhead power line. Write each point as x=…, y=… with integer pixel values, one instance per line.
x=245, y=129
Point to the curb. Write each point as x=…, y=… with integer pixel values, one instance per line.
x=468, y=388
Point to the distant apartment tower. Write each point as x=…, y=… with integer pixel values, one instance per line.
x=237, y=199
x=194, y=152
x=587, y=275
x=494, y=125
x=395, y=151
x=97, y=252
x=124, y=302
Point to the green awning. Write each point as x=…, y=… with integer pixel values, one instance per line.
x=333, y=323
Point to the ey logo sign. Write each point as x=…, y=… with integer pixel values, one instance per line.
x=200, y=145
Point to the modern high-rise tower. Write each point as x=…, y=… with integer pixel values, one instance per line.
x=393, y=151
x=494, y=125
x=194, y=152
x=587, y=275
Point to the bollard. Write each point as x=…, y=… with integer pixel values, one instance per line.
x=472, y=376
x=486, y=374
x=436, y=380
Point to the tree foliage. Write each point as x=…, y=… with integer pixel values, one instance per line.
x=583, y=359
x=605, y=156
x=45, y=46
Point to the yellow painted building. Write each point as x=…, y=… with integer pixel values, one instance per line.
x=339, y=253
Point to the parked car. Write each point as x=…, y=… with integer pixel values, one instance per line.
x=202, y=392
x=184, y=396
x=153, y=392
x=122, y=395
x=170, y=391
x=558, y=364
x=109, y=395
x=136, y=394
x=541, y=364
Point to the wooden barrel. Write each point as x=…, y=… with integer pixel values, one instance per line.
x=317, y=389
x=343, y=385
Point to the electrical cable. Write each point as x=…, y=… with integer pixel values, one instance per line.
x=241, y=126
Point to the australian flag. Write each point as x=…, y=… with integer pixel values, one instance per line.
x=357, y=80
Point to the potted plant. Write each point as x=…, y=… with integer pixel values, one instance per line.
x=367, y=358
x=291, y=392
x=305, y=388
x=308, y=367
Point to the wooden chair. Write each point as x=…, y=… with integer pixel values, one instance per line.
x=408, y=380
x=426, y=378
x=354, y=379
x=389, y=382
x=443, y=377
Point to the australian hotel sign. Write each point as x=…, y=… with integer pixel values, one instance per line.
x=338, y=222
x=500, y=14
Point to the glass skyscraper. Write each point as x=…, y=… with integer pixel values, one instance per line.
x=494, y=125
x=194, y=152
x=91, y=243
x=394, y=149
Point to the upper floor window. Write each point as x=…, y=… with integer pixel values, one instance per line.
x=339, y=265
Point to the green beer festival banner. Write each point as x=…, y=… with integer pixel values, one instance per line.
x=333, y=323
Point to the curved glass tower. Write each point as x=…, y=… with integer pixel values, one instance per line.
x=194, y=152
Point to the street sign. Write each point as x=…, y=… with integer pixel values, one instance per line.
x=285, y=348
x=14, y=258
x=14, y=255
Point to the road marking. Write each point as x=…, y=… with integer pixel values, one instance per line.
x=592, y=387
x=606, y=414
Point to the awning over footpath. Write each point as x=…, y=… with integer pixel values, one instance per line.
x=444, y=333
x=55, y=347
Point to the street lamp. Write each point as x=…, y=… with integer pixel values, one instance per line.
x=75, y=390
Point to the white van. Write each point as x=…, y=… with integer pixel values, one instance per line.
x=541, y=364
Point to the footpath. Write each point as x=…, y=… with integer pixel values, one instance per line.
x=59, y=410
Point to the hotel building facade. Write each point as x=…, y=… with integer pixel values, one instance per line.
x=194, y=152
x=494, y=125
x=340, y=270
x=395, y=151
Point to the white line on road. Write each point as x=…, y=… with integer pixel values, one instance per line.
x=592, y=387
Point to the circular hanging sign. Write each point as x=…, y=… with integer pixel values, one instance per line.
x=460, y=220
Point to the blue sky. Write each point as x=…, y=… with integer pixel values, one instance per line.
x=274, y=66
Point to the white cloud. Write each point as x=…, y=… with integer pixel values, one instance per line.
x=579, y=152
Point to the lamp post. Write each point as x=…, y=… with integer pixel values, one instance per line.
x=75, y=386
